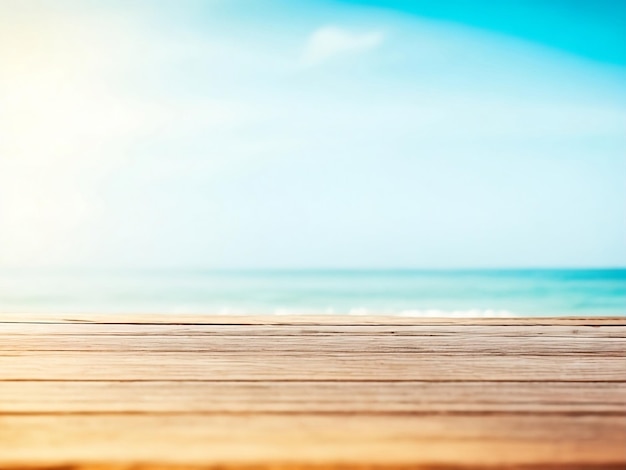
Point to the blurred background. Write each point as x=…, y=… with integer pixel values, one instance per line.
x=239, y=156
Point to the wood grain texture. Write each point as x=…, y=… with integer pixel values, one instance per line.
x=305, y=366
x=289, y=320
x=357, y=439
x=80, y=392
x=312, y=397
x=249, y=331
x=335, y=343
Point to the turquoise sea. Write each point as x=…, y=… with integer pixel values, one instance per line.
x=400, y=292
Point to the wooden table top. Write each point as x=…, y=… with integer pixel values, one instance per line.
x=190, y=391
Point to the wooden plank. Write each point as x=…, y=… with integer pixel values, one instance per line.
x=304, y=366
x=75, y=441
x=312, y=397
x=464, y=394
x=363, y=344
x=509, y=331
x=276, y=320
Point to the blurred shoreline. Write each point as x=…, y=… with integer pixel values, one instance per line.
x=402, y=293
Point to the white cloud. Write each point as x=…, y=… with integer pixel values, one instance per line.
x=329, y=42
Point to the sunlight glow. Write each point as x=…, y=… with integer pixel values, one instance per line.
x=171, y=133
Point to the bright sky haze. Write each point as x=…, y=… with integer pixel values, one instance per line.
x=312, y=134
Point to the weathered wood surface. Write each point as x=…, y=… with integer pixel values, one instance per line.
x=289, y=320
x=316, y=396
x=148, y=391
x=332, y=343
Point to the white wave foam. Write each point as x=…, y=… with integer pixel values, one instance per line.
x=474, y=313
x=424, y=313
x=434, y=313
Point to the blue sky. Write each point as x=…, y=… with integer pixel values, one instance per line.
x=591, y=29
x=225, y=133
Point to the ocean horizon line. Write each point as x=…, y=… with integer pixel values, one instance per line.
x=295, y=270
